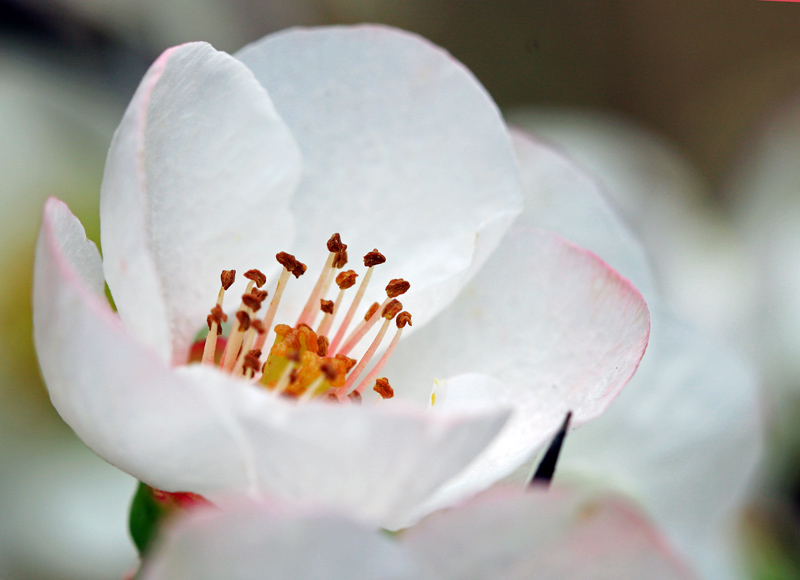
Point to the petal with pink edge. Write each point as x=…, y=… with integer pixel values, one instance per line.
x=690, y=401
x=559, y=534
x=546, y=327
x=403, y=150
x=255, y=541
x=195, y=429
x=198, y=179
x=562, y=197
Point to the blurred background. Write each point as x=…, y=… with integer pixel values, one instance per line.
x=702, y=98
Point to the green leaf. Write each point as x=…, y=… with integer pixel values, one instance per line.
x=145, y=517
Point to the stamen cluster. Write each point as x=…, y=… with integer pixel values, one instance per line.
x=303, y=362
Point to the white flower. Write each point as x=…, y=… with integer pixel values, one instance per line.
x=560, y=534
x=369, y=132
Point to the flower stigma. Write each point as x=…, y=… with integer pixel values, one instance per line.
x=303, y=362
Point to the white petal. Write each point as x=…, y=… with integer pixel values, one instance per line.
x=703, y=270
x=251, y=542
x=195, y=429
x=557, y=327
x=683, y=439
x=377, y=464
x=197, y=180
x=403, y=150
x=120, y=399
x=560, y=196
x=559, y=534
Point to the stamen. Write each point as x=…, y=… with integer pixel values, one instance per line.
x=371, y=260
x=335, y=247
x=252, y=363
x=344, y=280
x=394, y=288
x=383, y=388
x=217, y=317
x=255, y=328
x=290, y=266
x=236, y=336
x=402, y=319
x=388, y=313
x=256, y=276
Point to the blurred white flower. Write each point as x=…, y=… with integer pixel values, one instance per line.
x=560, y=534
x=763, y=190
x=686, y=435
x=369, y=132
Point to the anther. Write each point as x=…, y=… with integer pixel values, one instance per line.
x=371, y=311
x=374, y=258
x=355, y=397
x=345, y=280
x=326, y=306
x=389, y=312
x=383, y=388
x=244, y=319
x=397, y=287
x=256, y=276
x=252, y=360
x=335, y=244
x=227, y=278
x=404, y=318
x=288, y=261
x=252, y=302
x=392, y=309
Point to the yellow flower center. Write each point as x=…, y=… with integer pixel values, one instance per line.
x=303, y=362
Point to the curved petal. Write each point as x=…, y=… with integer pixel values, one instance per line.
x=556, y=327
x=559, y=534
x=563, y=198
x=119, y=397
x=376, y=464
x=705, y=272
x=403, y=150
x=684, y=439
x=247, y=541
x=195, y=429
x=197, y=180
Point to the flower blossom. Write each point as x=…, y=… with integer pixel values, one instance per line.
x=562, y=534
x=221, y=163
